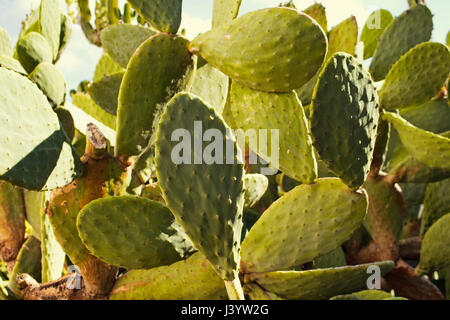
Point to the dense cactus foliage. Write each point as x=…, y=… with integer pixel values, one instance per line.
x=353, y=176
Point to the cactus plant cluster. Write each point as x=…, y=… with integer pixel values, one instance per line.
x=359, y=171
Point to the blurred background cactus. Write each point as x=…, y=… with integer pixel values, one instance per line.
x=359, y=175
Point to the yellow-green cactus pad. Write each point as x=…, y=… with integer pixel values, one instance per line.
x=205, y=192
x=66, y=34
x=366, y=295
x=224, y=11
x=412, y=27
x=88, y=105
x=416, y=77
x=149, y=83
x=435, y=251
x=305, y=223
x=343, y=37
x=317, y=11
x=190, y=279
x=120, y=41
x=274, y=50
x=255, y=185
x=374, y=27
x=318, y=284
x=36, y=153
x=6, y=48
x=34, y=205
x=274, y=113
x=50, y=23
x=33, y=49
x=106, y=66
x=255, y=292
x=211, y=85
x=163, y=15
x=51, y=82
x=429, y=148
x=12, y=64
x=344, y=119
x=105, y=92
x=436, y=204
x=132, y=232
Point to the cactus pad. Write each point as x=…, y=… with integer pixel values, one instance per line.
x=120, y=41
x=164, y=15
x=37, y=155
x=50, y=23
x=190, y=279
x=106, y=66
x=215, y=205
x=306, y=222
x=255, y=185
x=32, y=50
x=346, y=94
x=256, y=110
x=435, y=251
x=51, y=82
x=12, y=64
x=147, y=85
x=343, y=37
x=225, y=11
x=436, y=203
x=319, y=283
x=429, y=148
x=318, y=12
x=105, y=92
x=375, y=25
x=412, y=27
x=132, y=232
x=6, y=48
x=275, y=50
x=88, y=105
x=416, y=77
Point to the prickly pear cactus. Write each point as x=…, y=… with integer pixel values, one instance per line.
x=259, y=160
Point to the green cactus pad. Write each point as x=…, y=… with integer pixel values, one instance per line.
x=255, y=185
x=190, y=279
x=435, y=251
x=366, y=295
x=53, y=256
x=66, y=34
x=306, y=222
x=374, y=27
x=412, y=27
x=333, y=259
x=105, y=92
x=33, y=49
x=12, y=224
x=254, y=110
x=67, y=122
x=106, y=66
x=318, y=284
x=345, y=93
x=384, y=220
x=429, y=148
x=224, y=11
x=6, y=48
x=214, y=205
x=211, y=85
x=343, y=37
x=28, y=261
x=413, y=195
x=255, y=292
x=50, y=23
x=132, y=232
x=120, y=41
x=12, y=64
x=274, y=50
x=34, y=205
x=317, y=11
x=436, y=204
x=88, y=105
x=164, y=15
x=51, y=82
x=37, y=156
x=147, y=86
x=416, y=77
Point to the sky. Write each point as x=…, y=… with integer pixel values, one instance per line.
x=79, y=59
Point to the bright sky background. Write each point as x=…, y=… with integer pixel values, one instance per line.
x=79, y=59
